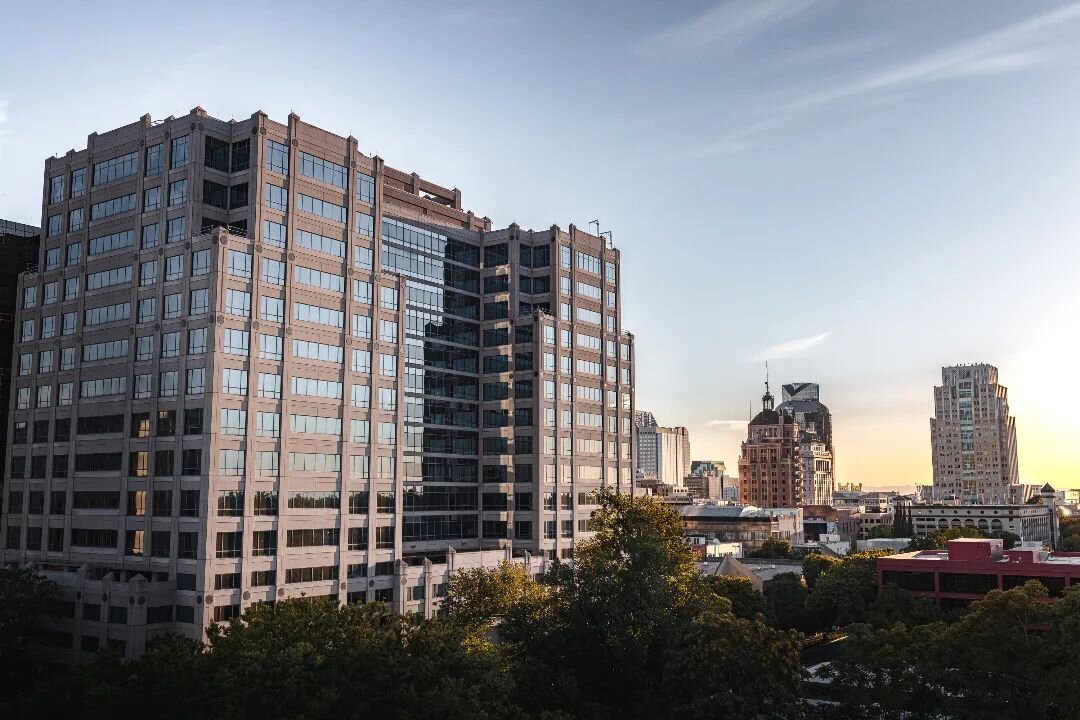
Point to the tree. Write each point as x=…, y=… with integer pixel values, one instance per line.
x=786, y=596
x=746, y=602
x=24, y=597
x=882, y=531
x=844, y=593
x=902, y=526
x=940, y=540
x=773, y=548
x=814, y=565
x=480, y=595
x=611, y=637
x=962, y=670
x=1070, y=532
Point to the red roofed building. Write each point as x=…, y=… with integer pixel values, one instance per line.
x=972, y=567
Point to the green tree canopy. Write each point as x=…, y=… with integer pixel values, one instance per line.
x=746, y=602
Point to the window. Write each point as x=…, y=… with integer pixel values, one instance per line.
x=115, y=169
x=56, y=189
x=75, y=220
x=277, y=157
x=230, y=544
x=317, y=314
x=316, y=388
x=237, y=302
x=269, y=385
x=270, y=347
x=268, y=424
x=116, y=206
x=147, y=273
x=231, y=462
x=233, y=421
x=323, y=170
x=361, y=361
x=70, y=321
x=196, y=382
x=234, y=381
x=176, y=231
x=199, y=302
x=191, y=464
x=71, y=288
x=388, y=331
x=272, y=309
x=193, y=421
x=362, y=291
x=151, y=199
x=274, y=234
x=365, y=188
x=363, y=257
x=319, y=279
x=365, y=224
x=109, y=243
x=264, y=542
x=172, y=307
x=168, y=383
x=230, y=503
x=147, y=309
x=178, y=157
x=174, y=267
x=78, y=183
x=388, y=365
x=276, y=197
x=321, y=208
x=170, y=345
x=318, y=351
x=360, y=396
x=108, y=278
x=273, y=271
x=236, y=342
x=239, y=264
x=153, y=160
x=387, y=399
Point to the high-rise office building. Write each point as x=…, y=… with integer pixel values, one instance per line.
x=256, y=364
x=18, y=253
x=770, y=465
x=663, y=453
x=973, y=437
x=802, y=401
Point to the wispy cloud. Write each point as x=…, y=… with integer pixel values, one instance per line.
x=1005, y=50
x=3, y=117
x=726, y=424
x=793, y=348
x=1009, y=49
x=727, y=25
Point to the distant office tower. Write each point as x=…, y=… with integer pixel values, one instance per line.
x=973, y=437
x=802, y=402
x=663, y=453
x=18, y=254
x=256, y=363
x=770, y=466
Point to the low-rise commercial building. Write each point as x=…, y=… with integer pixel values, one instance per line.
x=1033, y=523
x=972, y=567
x=743, y=523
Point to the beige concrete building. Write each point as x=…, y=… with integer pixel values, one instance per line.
x=256, y=363
x=663, y=453
x=973, y=437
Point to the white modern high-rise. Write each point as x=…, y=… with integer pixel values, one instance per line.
x=973, y=437
x=663, y=453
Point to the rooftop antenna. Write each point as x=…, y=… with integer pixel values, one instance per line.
x=767, y=398
x=610, y=241
x=597, y=224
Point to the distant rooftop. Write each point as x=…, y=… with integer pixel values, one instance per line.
x=733, y=511
x=10, y=227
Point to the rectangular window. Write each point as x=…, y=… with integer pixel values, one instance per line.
x=115, y=206
x=116, y=168
x=277, y=157
x=234, y=381
x=365, y=188
x=323, y=170
x=276, y=197
x=174, y=267
x=109, y=243
x=270, y=347
x=321, y=208
x=237, y=302
x=179, y=155
x=153, y=162
x=269, y=385
x=239, y=264
x=151, y=199
x=199, y=302
x=273, y=271
x=176, y=231
x=272, y=309
x=274, y=234
x=172, y=309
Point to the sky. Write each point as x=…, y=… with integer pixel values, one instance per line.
x=857, y=192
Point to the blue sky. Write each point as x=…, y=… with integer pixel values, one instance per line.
x=859, y=192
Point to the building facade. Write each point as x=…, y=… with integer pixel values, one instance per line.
x=970, y=568
x=261, y=364
x=750, y=526
x=18, y=253
x=973, y=437
x=802, y=401
x=770, y=464
x=663, y=453
x=1032, y=523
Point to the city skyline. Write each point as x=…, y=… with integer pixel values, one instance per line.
x=908, y=159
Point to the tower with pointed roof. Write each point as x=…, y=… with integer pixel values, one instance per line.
x=770, y=468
